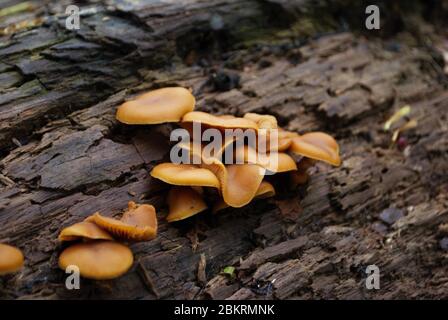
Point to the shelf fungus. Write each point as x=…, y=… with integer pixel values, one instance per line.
x=318, y=146
x=98, y=260
x=138, y=223
x=183, y=203
x=84, y=230
x=265, y=190
x=157, y=106
x=11, y=259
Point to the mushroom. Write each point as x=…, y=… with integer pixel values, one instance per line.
x=223, y=122
x=98, y=260
x=239, y=182
x=265, y=190
x=84, y=230
x=274, y=161
x=138, y=223
x=11, y=259
x=183, y=203
x=185, y=175
x=157, y=106
x=318, y=146
x=264, y=121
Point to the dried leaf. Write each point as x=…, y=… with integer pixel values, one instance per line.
x=290, y=209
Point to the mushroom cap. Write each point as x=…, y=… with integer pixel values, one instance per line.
x=274, y=161
x=224, y=122
x=84, y=229
x=318, y=146
x=265, y=190
x=157, y=106
x=185, y=175
x=183, y=203
x=297, y=178
x=264, y=121
x=98, y=260
x=11, y=259
x=138, y=223
x=284, y=139
x=239, y=183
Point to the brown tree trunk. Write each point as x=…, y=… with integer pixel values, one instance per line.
x=64, y=156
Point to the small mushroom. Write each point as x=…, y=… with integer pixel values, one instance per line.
x=239, y=183
x=84, y=230
x=318, y=146
x=264, y=121
x=222, y=122
x=265, y=190
x=157, y=106
x=11, y=259
x=138, y=223
x=274, y=161
x=98, y=260
x=183, y=203
x=185, y=175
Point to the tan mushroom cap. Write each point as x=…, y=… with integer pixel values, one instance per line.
x=98, y=260
x=274, y=161
x=138, y=223
x=265, y=190
x=264, y=121
x=224, y=122
x=239, y=183
x=84, y=230
x=183, y=203
x=318, y=146
x=157, y=106
x=185, y=175
x=11, y=259
x=283, y=139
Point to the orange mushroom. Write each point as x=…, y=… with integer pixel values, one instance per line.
x=274, y=161
x=185, y=175
x=223, y=122
x=98, y=260
x=183, y=203
x=265, y=190
x=84, y=230
x=318, y=146
x=138, y=223
x=239, y=183
x=11, y=259
x=264, y=121
x=157, y=106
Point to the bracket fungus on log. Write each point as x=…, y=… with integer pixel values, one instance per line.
x=11, y=259
x=183, y=203
x=157, y=106
x=98, y=260
x=318, y=146
x=138, y=223
x=84, y=230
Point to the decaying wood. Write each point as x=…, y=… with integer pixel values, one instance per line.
x=59, y=90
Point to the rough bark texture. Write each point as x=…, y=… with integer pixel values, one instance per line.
x=64, y=156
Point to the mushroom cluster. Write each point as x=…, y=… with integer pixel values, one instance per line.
x=98, y=256
x=210, y=181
